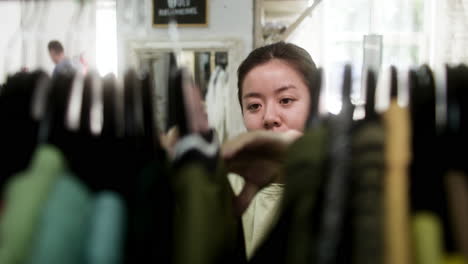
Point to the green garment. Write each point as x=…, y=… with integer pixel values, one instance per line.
x=306, y=170
x=106, y=229
x=205, y=227
x=291, y=239
x=64, y=224
x=367, y=209
x=25, y=196
x=427, y=238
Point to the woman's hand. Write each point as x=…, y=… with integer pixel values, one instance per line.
x=257, y=156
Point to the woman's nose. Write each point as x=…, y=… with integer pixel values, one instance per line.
x=271, y=118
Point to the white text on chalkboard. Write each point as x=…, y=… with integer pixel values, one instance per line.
x=181, y=11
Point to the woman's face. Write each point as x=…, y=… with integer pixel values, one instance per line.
x=275, y=97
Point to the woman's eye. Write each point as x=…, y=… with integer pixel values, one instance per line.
x=286, y=101
x=253, y=107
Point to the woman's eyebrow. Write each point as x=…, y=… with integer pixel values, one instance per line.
x=252, y=95
x=284, y=88
x=277, y=91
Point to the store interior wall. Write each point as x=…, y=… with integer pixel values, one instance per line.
x=57, y=25
x=227, y=20
x=449, y=35
x=332, y=34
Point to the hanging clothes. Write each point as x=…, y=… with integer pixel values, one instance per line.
x=292, y=236
x=205, y=227
x=396, y=184
x=149, y=234
x=457, y=188
x=453, y=143
x=119, y=199
x=366, y=220
x=234, y=117
x=66, y=215
x=367, y=193
x=331, y=234
x=106, y=230
x=215, y=101
x=25, y=197
x=396, y=121
x=428, y=238
x=427, y=193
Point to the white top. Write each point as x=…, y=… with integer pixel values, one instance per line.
x=261, y=214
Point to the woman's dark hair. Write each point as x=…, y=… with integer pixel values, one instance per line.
x=294, y=55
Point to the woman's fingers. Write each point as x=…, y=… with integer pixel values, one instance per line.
x=232, y=147
x=268, y=142
x=256, y=156
x=242, y=201
x=260, y=172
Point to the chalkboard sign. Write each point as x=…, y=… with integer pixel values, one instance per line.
x=185, y=12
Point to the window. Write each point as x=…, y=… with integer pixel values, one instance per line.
x=106, y=37
x=343, y=24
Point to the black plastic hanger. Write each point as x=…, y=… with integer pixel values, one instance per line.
x=347, y=88
x=129, y=108
x=347, y=107
x=315, y=94
x=463, y=100
x=147, y=100
x=453, y=105
x=422, y=103
x=371, y=86
x=393, y=83
x=58, y=133
x=177, y=112
x=109, y=127
x=174, y=94
x=133, y=112
x=152, y=143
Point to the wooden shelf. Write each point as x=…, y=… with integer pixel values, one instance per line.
x=282, y=8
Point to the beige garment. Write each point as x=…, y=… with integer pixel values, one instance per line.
x=397, y=158
x=261, y=213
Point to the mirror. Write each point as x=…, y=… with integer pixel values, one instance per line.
x=200, y=57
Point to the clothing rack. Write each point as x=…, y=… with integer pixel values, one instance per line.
x=389, y=188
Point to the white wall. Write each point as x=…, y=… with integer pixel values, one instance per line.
x=449, y=34
x=57, y=20
x=227, y=19
x=10, y=19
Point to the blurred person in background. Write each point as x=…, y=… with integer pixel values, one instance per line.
x=62, y=63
